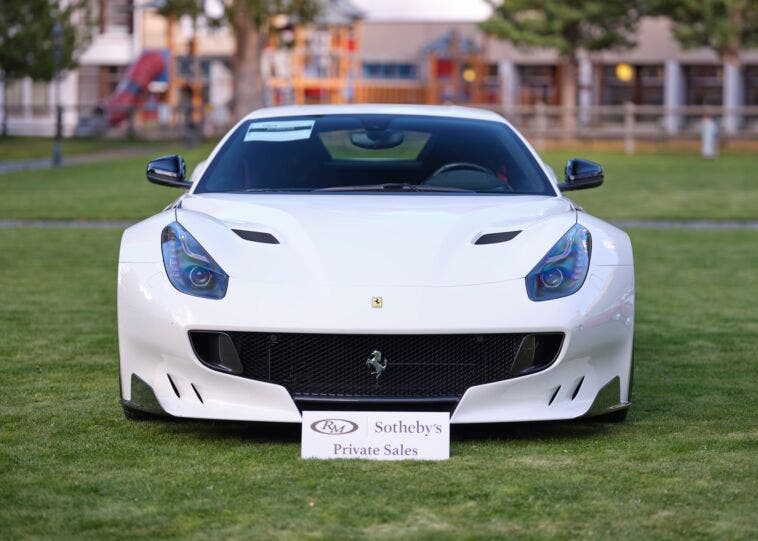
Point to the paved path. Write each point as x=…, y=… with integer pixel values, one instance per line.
x=10, y=166
x=709, y=225
x=67, y=224
x=686, y=224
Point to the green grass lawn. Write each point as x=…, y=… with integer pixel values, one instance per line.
x=668, y=186
x=107, y=190
x=646, y=186
x=682, y=467
x=29, y=148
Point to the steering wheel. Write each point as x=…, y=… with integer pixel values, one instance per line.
x=461, y=165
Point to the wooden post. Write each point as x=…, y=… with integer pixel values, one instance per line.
x=298, y=66
x=431, y=84
x=629, y=126
x=540, y=124
x=172, y=86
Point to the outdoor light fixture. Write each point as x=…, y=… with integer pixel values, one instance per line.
x=624, y=72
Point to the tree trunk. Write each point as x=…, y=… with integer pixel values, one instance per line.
x=4, y=129
x=569, y=73
x=732, y=75
x=246, y=62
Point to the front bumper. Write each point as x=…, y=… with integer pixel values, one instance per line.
x=590, y=376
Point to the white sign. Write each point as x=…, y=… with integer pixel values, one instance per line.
x=280, y=130
x=376, y=435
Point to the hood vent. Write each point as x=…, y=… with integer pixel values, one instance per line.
x=494, y=238
x=257, y=236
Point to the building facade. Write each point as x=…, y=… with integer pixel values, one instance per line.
x=342, y=58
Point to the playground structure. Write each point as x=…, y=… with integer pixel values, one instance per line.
x=149, y=86
x=132, y=90
x=321, y=65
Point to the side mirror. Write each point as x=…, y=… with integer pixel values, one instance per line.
x=168, y=171
x=581, y=174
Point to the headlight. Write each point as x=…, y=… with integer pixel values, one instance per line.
x=189, y=267
x=563, y=270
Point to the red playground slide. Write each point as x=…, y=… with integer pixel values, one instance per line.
x=132, y=89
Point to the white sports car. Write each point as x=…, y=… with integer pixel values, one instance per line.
x=375, y=257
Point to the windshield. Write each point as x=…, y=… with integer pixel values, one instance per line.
x=374, y=153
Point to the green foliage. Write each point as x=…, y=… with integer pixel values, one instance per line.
x=722, y=25
x=565, y=26
x=178, y=8
x=259, y=11
x=27, y=46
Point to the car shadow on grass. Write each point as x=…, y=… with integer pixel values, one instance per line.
x=541, y=430
x=256, y=432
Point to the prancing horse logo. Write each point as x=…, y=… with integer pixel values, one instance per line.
x=378, y=362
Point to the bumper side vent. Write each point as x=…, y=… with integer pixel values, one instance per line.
x=536, y=352
x=555, y=393
x=216, y=350
x=173, y=386
x=578, y=386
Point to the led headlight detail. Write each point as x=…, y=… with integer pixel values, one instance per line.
x=189, y=267
x=563, y=270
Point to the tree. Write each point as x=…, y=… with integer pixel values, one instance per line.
x=567, y=27
x=26, y=39
x=725, y=26
x=249, y=22
x=722, y=25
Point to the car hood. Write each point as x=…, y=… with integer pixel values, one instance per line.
x=363, y=239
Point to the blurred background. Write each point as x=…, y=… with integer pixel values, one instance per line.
x=637, y=71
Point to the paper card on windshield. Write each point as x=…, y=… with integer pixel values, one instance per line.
x=279, y=130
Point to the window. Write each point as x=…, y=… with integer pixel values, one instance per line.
x=13, y=94
x=408, y=154
x=372, y=70
x=40, y=97
x=645, y=88
x=113, y=15
x=538, y=84
x=703, y=85
x=109, y=78
x=751, y=85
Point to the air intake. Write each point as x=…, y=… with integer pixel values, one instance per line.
x=495, y=238
x=536, y=352
x=257, y=236
x=216, y=350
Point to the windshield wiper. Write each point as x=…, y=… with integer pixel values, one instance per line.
x=272, y=190
x=391, y=187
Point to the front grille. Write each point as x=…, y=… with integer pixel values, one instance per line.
x=333, y=366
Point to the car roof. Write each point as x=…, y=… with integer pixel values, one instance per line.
x=454, y=111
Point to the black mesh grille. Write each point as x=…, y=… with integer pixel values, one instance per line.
x=333, y=366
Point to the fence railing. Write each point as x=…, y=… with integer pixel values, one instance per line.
x=630, y=122
x=540, y=123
